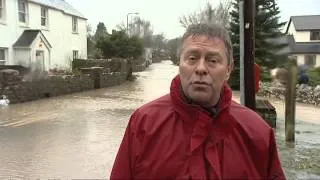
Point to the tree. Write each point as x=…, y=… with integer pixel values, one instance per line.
x=101, y=32
x=172, y=46
x=158, y=41
x=142, y=28
x=217, y=15
x=267, y=35
x=90, y=42
x=119, y=44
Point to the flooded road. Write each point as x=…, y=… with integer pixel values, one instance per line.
x=77, y=136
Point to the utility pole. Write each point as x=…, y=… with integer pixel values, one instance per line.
x=249, y=85
x=291, y=100
x=241, y=25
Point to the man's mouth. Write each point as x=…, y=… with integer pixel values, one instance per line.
x=200, y=83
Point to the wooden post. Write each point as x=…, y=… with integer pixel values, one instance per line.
x=291, y=100
x=249, y=44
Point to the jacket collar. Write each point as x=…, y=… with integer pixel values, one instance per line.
x=201, y=121
x=183, y=106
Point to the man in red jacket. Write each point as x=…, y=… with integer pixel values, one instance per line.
x=197, y=131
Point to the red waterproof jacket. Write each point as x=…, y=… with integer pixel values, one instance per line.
x=171, y=139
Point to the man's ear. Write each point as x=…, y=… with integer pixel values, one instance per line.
x=229, y=71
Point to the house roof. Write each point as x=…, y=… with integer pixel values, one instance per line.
x=301, y=47
x=27, y=38
x=305, y=23
x=61, y=5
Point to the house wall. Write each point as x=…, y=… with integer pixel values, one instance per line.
x=9, y=30
x=59, y=33
x=299, y=36
x=39, y=45
x=318, y=61
x=22, y=56
x=301, y=59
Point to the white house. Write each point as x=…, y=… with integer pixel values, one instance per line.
x=46, y=34
x=304, y=39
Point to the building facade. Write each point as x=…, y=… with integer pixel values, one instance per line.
x=304, y=39
x=45, y=34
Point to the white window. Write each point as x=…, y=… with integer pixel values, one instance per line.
x=74, y=24
x=2, y=9
x=75, y=54
x=23, y=11
x=44, y=16
x=3, y=56
x=310, y=60
x=315, y=35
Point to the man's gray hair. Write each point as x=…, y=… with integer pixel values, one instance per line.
x=211, y=31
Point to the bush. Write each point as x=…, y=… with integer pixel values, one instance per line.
x=265, y=74
x=314, y=76
x=114, y=64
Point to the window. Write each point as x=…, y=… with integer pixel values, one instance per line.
x=75, y=54
x=74, y=24
x=2, y=56
x=315, y=35
x=2, y=9
x=44, y=16
x=310, y=60
x=23, y=11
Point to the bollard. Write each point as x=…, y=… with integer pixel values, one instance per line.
x=290, y=105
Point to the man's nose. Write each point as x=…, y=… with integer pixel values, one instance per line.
x=201, y=68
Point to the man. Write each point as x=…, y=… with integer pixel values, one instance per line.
x=197, y=131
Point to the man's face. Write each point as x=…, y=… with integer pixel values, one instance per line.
x=203, y=69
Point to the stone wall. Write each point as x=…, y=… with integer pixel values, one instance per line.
x=48, y=87
x=54, y=85
x=307, y=94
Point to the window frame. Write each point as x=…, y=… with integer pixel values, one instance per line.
x=75, y=54
x=24, y=13
x=5, y=56
x=45, y=17
x=74, y=24
x=315, y=35
x=307, y=58
x=3, y=10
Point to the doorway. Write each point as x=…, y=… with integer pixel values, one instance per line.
x=40, y=61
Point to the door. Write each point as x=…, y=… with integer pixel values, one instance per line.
x=40, y=61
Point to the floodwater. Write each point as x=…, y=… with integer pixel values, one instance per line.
x=77, y=136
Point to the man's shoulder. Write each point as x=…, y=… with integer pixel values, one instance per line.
x=153, y=113
x=249, y=120
x=162, y=103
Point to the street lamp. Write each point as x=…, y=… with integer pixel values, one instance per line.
x=136, y=13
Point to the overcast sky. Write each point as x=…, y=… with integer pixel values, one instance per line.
x=164, y=14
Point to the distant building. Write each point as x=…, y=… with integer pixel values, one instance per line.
x=304, y=39
x=45, y=34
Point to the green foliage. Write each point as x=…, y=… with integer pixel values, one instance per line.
x=101, y=32
x=267, y=35
x=142, y=28
x=265, y=74
x=172, y=46
x=113, y=64
x=314, y=76
x=118, y=44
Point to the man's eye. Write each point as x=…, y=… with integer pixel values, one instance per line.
x=192, y=58
x=212, y=60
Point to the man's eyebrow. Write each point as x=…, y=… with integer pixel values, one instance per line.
x=214, y=54
x=192, y=51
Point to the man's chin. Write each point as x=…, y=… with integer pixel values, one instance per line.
x=200, y=99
